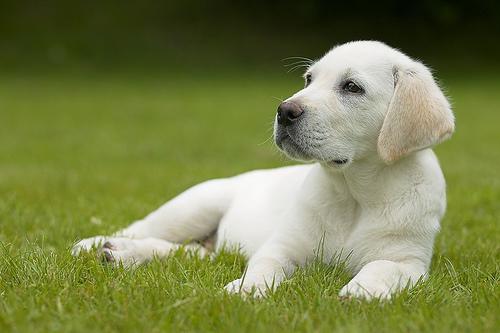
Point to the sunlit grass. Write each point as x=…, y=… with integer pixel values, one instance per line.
x=85, y=155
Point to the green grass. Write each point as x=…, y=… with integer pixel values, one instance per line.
x=86, y=154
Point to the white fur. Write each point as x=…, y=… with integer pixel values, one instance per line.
x=380, y=218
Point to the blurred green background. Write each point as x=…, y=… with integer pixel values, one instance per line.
x=218, y=34
x=110, y=108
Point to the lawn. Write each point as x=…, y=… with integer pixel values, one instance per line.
x=84, y=154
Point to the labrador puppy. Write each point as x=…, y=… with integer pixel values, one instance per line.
x=373, y=194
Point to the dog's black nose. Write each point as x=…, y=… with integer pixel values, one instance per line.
x=288, y=113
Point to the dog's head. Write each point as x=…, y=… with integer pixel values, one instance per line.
x=363, y=98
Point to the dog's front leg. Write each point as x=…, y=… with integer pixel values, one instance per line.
x=382, y=278
x=264, y=273
x=273, y=263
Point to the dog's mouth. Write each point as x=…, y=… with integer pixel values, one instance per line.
x=340, y=161
x=293, y=149
x=290, y=147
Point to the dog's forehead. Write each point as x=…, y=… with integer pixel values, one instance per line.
x=357, y=56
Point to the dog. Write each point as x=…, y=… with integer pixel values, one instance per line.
x=371, y=195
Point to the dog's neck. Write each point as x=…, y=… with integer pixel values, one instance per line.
x=362, y=177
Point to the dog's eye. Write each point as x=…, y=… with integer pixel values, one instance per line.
x=308, y=79
x=352, y=87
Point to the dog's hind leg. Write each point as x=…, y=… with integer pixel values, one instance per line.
x=130, y=252
x=193, y=215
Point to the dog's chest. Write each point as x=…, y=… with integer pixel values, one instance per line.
x=333, y=224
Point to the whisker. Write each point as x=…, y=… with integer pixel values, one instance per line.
x=271, y=137
x=265, y=141
x=301, y=58
x=303, y=62
x=278, y=99
x=297, y=67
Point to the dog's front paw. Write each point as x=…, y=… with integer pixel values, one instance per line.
x=234, y=287
x=87, y=244
x=247, y=288
x=122, y=250
x=366, y=290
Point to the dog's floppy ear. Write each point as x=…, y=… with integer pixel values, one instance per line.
x=419, y=115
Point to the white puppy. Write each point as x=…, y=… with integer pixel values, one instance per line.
x=374, y=195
